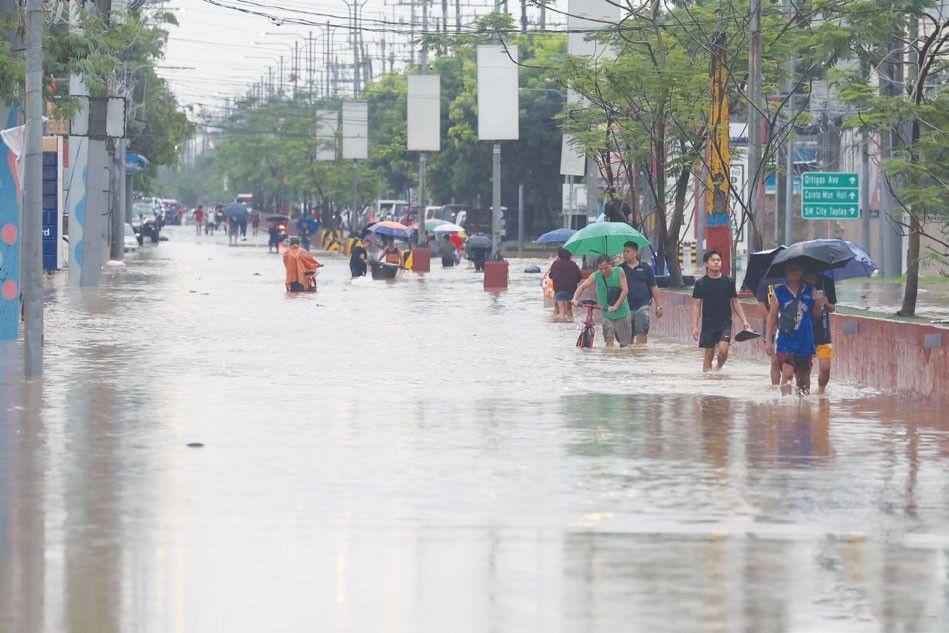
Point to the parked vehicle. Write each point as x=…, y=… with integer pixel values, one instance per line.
x=476, y=220
x=390, y=209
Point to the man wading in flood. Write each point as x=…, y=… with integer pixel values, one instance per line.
x=611, y=294
x=715, y=298
x=642, y=291
x=796, y=304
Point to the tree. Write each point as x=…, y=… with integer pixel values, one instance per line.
x=904, y=103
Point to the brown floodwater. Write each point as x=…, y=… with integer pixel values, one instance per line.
x=425, y=456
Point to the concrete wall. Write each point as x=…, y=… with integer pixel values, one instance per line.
x=905, y=358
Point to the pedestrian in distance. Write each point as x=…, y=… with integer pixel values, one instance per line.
x=242, y=223
x=792, y=315
x=565, y=276
x=255, y=221
x=643, y=291
x=822, y=341
x=715, y=298
x=358, y=260
x=769, y=337
x=615, y=209
x=273, y=243
x=447, y=251
x=301, y=268
x=232, y=230
x=198, y=220
x=611, y=291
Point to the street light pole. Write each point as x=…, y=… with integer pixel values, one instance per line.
x=754, y=124
x=422, y=157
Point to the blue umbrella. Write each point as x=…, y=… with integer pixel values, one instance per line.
x=860, y=266
x=391, y=229
x=557, y=236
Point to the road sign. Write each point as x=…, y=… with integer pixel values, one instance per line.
x=830, y=196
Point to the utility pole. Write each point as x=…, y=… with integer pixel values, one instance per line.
x=520, y=219
x=422, y=156
x=789, y=210
x=32, y=254
x=891, y=83
x=295, y=65
x=118, y=180
x=754, y=188
x=496, y=202
x=717, y=227
x=310, y=62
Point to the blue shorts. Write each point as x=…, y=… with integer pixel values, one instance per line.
x=563, y=296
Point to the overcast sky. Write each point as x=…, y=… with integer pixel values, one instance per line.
x=217, y=52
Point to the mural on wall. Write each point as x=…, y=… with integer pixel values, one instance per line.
x=9, y=234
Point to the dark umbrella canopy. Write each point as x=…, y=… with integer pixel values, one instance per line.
x=816, y=256
x=860, y=266
x=756, y=280
x=557, y=236
x=277, y=218
x=237, y=211
x=479, y=241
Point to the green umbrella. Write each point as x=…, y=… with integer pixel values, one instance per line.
x=430, y=225
x=604, y=238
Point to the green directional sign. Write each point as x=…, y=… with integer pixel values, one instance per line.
x=830, y=196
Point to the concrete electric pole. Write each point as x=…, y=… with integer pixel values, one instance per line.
x=32, y=254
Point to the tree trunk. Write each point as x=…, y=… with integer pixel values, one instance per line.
x=911, y=288
x=670, y=249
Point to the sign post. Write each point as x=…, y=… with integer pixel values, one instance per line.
x=830, y=196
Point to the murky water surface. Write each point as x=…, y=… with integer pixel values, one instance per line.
x=425, y=456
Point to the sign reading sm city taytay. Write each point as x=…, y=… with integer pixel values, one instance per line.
x=830, y=196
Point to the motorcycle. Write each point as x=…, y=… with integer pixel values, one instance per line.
x=147, y=227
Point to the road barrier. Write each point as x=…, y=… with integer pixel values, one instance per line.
x=910, y=359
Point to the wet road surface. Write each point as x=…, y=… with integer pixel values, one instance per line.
x=425, y=456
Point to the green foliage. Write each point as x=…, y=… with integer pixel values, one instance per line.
x=268, y=147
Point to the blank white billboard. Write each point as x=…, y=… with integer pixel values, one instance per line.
x=424, y=133
x=585, y=16
x=355, y=130
x=327, y=126
x=572, y=160
x=498, y=102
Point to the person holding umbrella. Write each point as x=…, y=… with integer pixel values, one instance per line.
x=822, y=341
x=611, y=291
x=715, y=299
x=795, y=306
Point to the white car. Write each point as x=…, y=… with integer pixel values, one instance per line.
x=131, y=241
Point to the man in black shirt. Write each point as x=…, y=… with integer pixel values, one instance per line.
x=825, y=348
x=641, y=283
x=715, y=298
x=615, y=209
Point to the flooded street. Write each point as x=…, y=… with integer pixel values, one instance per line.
x=426, y=456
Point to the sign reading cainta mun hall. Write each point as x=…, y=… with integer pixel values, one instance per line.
x=830, y=196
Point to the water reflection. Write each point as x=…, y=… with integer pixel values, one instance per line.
x=424, y=456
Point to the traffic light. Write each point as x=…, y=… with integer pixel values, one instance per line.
x=501, y=224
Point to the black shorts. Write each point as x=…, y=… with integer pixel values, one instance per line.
x=711, y=337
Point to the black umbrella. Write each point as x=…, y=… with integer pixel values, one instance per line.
x=755, y=276
x=237, y=211
x=479, y=241
x=816, y=256
x=277, y=218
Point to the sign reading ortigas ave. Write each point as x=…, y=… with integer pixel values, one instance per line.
x=830, y=196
